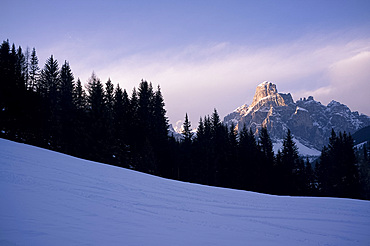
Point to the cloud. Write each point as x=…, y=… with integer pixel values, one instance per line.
x=349, y=82
x=200, y=77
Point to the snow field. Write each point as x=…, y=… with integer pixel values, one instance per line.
x=48, y=198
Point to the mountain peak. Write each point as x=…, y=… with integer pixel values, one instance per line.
x=264, y=90
x=267, y=92
x=309, y=120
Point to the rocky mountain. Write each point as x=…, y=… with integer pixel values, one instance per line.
x=362, y=135
x=309, y=121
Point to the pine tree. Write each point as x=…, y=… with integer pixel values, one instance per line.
x=109, y=99
x=145, y=97
x=66, y=87
x=186, y=168
x=232, y=158
x=110, y=139
x=34, y=71
x=264, y=172
x=79, y=97
x=20, y=70
x=95, y=96
x=337, y=172
x=310, y=188
x=291, y=168
x=364, y=171
x=134, y=121
x=203, y=152
x=12, y=90
x=96, y=112
x=248, y=171
x=81, y=145
x=66, y=107
x=186, y=132
x=26, y=68
x=121, y=125
x=160, y=121
x=49, y=81
x=217, y=150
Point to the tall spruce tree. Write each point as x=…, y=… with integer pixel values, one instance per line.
x=49, y=81
x=79, y=97
x=291, y=169
x=248, y=171
x=96, y=112
x=186, y=132
x=82, y=144
x=121, y=126
x=12, y=90
x=48, y=87
x=264, y=172
x=34, y=71
x=337, y=171
x=110, y=139
x=186, y=170
x=67, y=110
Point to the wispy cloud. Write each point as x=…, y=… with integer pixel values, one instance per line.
x=198, y=78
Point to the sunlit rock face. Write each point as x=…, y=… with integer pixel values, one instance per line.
x=309, y=121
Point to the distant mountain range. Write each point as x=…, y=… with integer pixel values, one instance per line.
x=309, y=121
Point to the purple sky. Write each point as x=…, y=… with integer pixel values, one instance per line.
x=205, y=54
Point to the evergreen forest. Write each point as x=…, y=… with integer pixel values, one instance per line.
x=100, y=121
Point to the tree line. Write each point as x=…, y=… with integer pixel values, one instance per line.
x=48, y=107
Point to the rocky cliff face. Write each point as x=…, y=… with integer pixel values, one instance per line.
x=309, y=121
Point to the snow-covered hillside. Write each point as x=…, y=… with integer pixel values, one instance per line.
x=49, y=198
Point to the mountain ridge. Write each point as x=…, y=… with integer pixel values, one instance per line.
x=309, y=121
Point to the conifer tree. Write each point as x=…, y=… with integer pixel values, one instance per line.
x=134, y=120
x=160, y=121
x=11, y=90
x=248, y=171
x=66, y=87
x=290, y=170
x=20, y=70
x=232, y=158
x=110, y=139
x=186, y=170
x=48, y=89
x=186, y=132
x=109, y=99
x=26, y=68
x=264, y=173
x=79, y=97
x=96, y=112
x=95, y=96
x=121, y=120
x=49, y=81
x=81, y=145
x=337, y=172
x=200, y=147
x=309, y=179
x=66, y=108
x=145, y=97
x=34, y=71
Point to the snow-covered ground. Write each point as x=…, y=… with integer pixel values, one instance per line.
x=302, y=149
x=48, y=198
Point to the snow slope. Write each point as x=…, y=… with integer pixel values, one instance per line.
x=48, y=198
x=303, y=150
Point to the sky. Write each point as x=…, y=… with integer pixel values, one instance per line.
x=205, y=54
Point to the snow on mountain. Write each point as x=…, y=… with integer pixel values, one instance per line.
x=48, y=198
x=309, y=121
x=173, y=132
x=302, y=149
x=176, y=131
